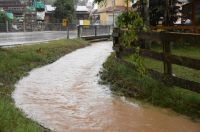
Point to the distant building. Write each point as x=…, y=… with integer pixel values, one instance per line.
x=95, y=17
x=82, y=13
x=14, y=6
x=192, y=15
x=109, y=11
x=49, y=9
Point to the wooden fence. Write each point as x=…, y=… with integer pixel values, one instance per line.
x=166, y=56
x=177, y=28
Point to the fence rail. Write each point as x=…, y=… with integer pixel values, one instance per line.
x=165, y=38
x=22, y=27
x=183, y=28
x=94, y=31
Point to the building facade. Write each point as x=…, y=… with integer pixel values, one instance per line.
x=14, y=6
x=82, y=13
x=191, y=11
x=109, y=11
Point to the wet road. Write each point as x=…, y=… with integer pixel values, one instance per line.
x=65, y=96
x=7, y=39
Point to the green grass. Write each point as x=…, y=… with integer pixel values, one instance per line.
x=17, y=62
x=129, y=82
x=182, y=49
x=180, y=71
x=12, y=119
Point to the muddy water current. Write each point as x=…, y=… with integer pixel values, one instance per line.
x=65, y=96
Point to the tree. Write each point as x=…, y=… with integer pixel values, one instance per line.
x=64, y=9
x=156, y=11
x=174, y=11
x=99, y=1
x=164, y=10
x=51, y=2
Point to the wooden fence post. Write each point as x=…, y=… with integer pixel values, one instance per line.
x=116, y=41
x=166, y=53
x=95, y=30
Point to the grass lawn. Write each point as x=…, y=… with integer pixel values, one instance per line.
x=180, y=71
x=180, y=49
x=129, y=82
x=15, y=63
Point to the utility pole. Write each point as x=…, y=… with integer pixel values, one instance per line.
x=7, y=24
x=24, y=24
x=113, y=3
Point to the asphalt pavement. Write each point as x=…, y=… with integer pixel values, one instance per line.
x=18, y=38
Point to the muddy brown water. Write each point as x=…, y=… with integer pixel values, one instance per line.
x=65, y=96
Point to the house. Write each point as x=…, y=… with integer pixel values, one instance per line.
x=191, y=11
x=95, y=16
x=49, y=10
x=40, y=9
x=82, y=13
x=15, y=13
x=14, y=6
x=109, y=11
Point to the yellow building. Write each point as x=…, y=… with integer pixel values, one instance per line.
x=109, y=11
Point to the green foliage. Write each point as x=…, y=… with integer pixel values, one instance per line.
x=133, y=23
x=179, y=71
x=99, y=1
x=130, y=20
x=156, y=11
x=15, y=63
x=138, y=61
x=128, y=82
x=11, y=118
x=51, y=2
x=64, y=9
x=2, y=17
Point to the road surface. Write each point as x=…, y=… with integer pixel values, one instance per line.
x=11, y=39
x=65, y=97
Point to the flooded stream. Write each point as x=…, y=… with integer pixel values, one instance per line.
x=65, y=96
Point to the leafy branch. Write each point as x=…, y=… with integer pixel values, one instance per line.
x=133, y=23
